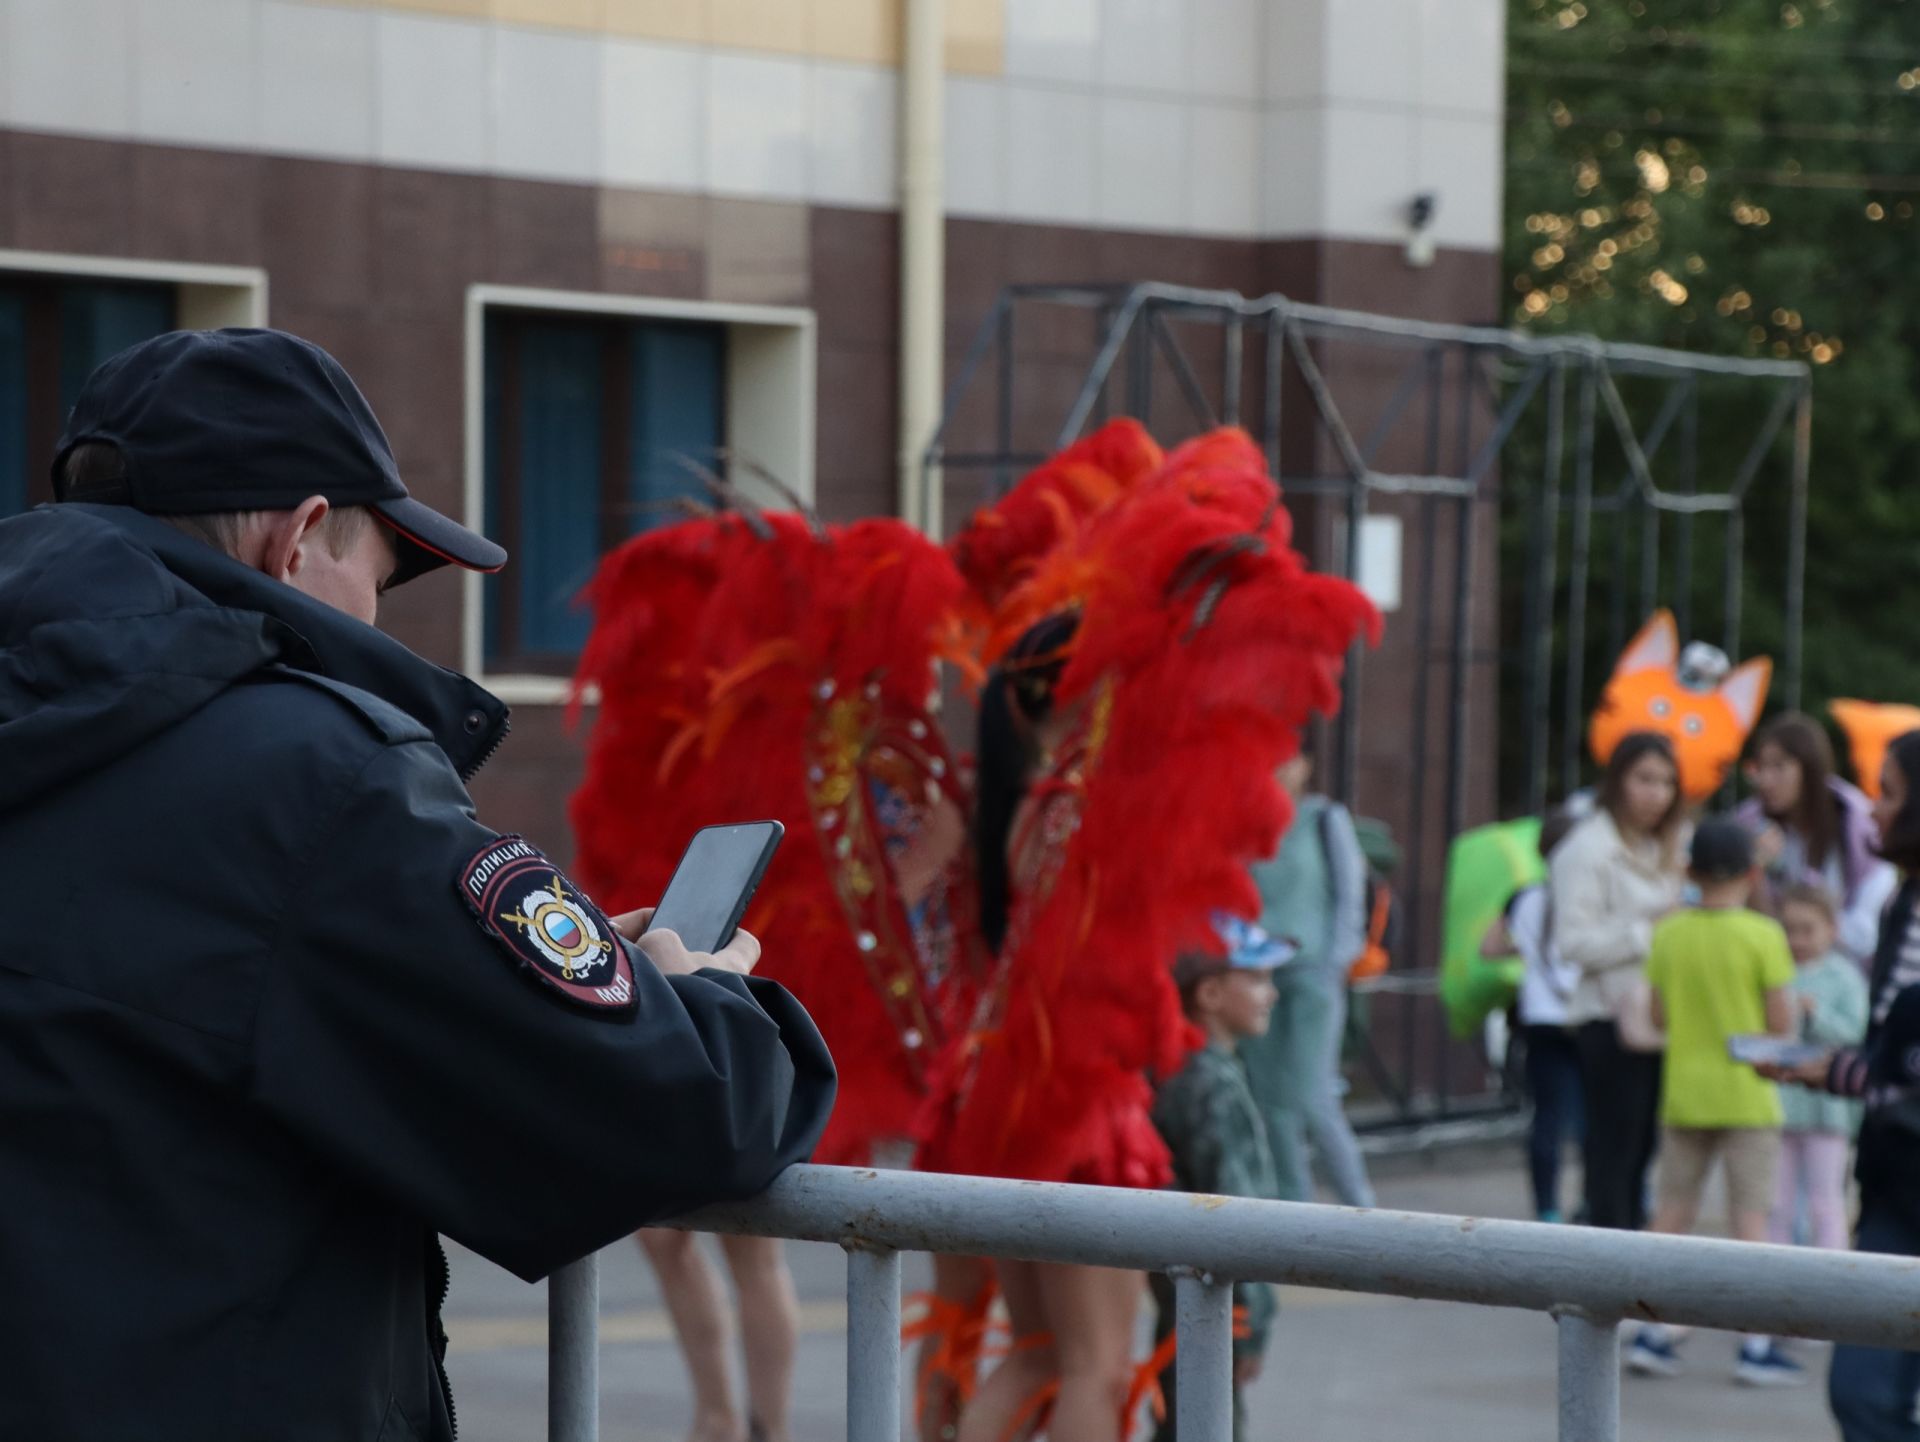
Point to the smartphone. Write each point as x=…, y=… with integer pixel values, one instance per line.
x=715, y=880
x=1773, y=1050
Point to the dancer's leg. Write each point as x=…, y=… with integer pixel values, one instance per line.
x=1008, y=1392
x=957, y=1282
x=1091, y=1311
x=697, y=1302
x=769, y=1329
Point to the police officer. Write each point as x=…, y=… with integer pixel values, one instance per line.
x=275, y=1008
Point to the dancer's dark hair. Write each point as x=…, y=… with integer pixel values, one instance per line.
x=1018, y=696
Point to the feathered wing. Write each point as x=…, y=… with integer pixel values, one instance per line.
x=1204, y=644
x=1005, y=543
x=764, y=667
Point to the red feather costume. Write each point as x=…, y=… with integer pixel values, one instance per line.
x=758, y=666
x=1203, y=644
x=762, y=666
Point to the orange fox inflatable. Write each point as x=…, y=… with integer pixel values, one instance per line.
x=1870, y=725
x=1692, y=700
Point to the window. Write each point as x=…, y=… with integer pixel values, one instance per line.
x=53, y=331
x=591, y=424
x=583, y=411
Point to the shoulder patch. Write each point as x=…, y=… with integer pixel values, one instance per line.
x=547, y=924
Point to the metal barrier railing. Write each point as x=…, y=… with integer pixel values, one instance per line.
x=1588, y=1280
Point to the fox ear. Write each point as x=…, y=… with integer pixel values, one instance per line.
x=1745, y=691
x=1656, y=648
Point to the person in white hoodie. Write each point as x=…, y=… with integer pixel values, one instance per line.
x=1615, y=875
x=1551, y=1056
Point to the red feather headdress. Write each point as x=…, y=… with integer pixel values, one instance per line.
x=761, y=666
x=1203, y=644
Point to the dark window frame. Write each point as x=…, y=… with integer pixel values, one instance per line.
x=503, y=651
x=44, y=340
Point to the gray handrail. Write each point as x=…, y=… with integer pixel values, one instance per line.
x=1588, y=1279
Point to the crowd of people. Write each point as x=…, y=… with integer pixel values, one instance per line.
x=1661, y=944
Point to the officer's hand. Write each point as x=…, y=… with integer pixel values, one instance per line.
x=741, y=955
x=631, y=924
x=671, y=957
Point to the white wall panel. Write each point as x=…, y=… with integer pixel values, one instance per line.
x=191, y=63
x=1051, y=156
x=1293, y=171
x=758, y=140
x=855, y=135
x=314, y=85
x=1143, y=164
x=1226, y=187
x=1463, y=54
x=1371, y=53
x=546, y=105
x=69, y=66
x=976, y=146
x=1143, y=45
x=1460, y=161
x=1369, y=173
x=653, y=113
x=1296, y=52
x=1227, y=46
x=434, y=91
x=1056, y=40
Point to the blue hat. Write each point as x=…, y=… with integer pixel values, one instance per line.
x=1248, y=948
x=1251, y=948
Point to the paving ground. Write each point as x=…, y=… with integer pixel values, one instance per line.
x=1343, y=1368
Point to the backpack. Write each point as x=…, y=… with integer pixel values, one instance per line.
x=1485, y=867
x=1381, y=906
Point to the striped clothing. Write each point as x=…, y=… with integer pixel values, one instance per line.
x=1887, y=1066
x=1905, y=971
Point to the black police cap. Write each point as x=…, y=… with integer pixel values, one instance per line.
x=253, y=420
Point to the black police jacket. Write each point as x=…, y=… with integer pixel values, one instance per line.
x=259, y=1039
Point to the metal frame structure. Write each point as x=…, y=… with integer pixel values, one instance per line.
x=1462, y=394
x=1588, y=1280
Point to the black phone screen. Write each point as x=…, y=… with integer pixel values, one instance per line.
x=714, y=882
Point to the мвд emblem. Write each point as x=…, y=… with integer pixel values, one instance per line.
x=523, y=901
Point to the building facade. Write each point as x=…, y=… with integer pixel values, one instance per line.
x=565, y=244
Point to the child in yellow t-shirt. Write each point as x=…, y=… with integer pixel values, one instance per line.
x=1718, y=970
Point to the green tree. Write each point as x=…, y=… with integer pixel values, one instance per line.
x=1742, y=176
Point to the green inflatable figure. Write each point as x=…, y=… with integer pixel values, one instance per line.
x=1485, y=867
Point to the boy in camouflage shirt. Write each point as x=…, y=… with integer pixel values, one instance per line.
x=1213, y=1127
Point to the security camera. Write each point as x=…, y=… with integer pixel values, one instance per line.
x=1420, y=244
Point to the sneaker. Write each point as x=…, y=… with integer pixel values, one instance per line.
x=1652, y=1356
x=1768, y=1366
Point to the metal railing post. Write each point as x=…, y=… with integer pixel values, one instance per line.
x=1203, y=1365
x=873, y=1345
x=1589, y=1376
x=573, y=1352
